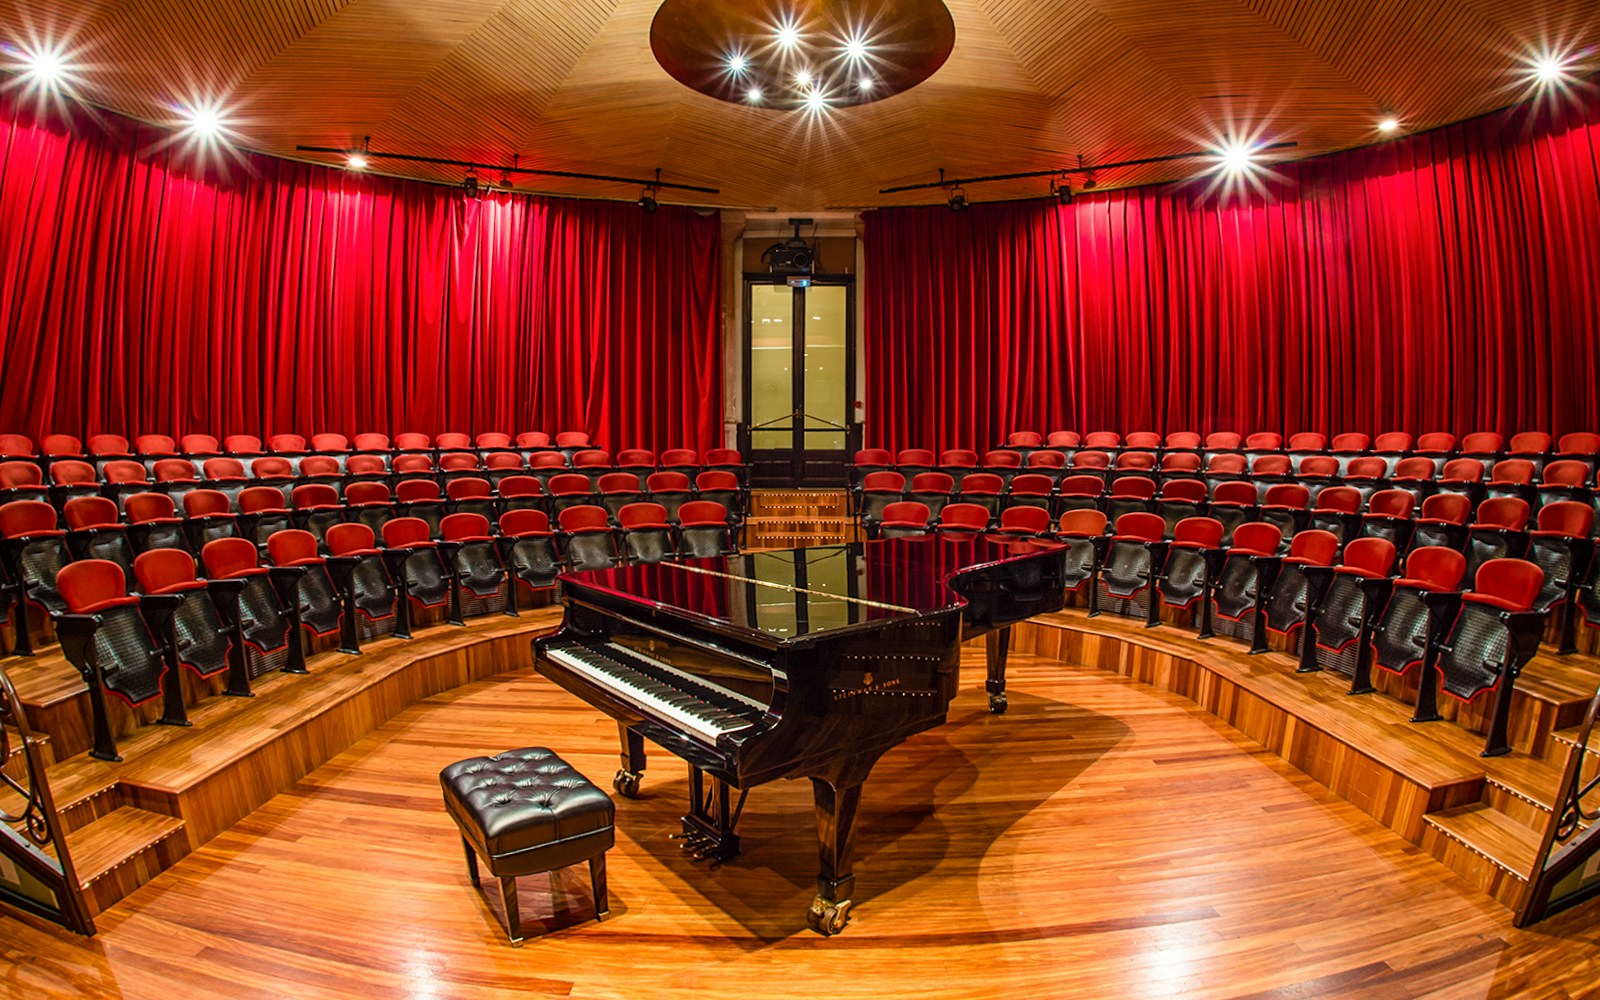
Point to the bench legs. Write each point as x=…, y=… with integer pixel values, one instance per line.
x=508, y=890
x=597, y=882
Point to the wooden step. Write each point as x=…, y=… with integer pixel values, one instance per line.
x=123, y=850
x=1484, y=846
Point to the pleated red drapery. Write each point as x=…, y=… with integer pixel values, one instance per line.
x=143, y=290
x=1447, y=281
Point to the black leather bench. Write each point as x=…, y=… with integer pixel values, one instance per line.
x=527, y=811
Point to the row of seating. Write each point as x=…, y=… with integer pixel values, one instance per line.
x=241, y=609
x=105, y=446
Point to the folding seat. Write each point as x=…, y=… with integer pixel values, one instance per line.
x=1436, y=444
x=16, y=446
x=727, y=460
x=371, y=442
x=275, y=472
x=1002, y=463
x=262, y=511
x=1242, y=582
x=1442, y=522
x=721, y=486
x=317, y=508
x=1193, y=558
x=287, y=444
x=520, y=493
x=1262, y=443
x=572, y=440
x=102, y=447
x=1180, y=499
x=242, y=446
x=932, y=490
x=965, y=518
x=1032, y=490
x=1135, y=461
x=478, y=577
x=35, y=550
x=671, y=490
x=72, y=478
x=528, y=547
x=421, y=499
x=686, y=462
x=1103, y=441
x=22, y=481
x=1392, y=446
x=194, y=637
x=1513, y=477
x=455, y=464
x=491, y=441
x=1564, y=480
x=208, y=515
x=1221, y=443
x=1129, y=494
x=1388, y=516
x=1497, y=532
x=983, y=489
x=317, y=600
x=1531, y=446
x=329, y=444
x=412, y=466
x=1268, y=471
x=1024, y=439
x=1063, y=440
x=363, y=468
x=321, y=469
x=1341, y=609
x=1463, y=476
x=200, y=445
x=1090, y=462
x=265, y=626
x=471, y=496
x=369, y=504
x=1032, y=522
x=1083, y=533
x=223, y=475
x=1285, y=507
x=1337, y=510
x=1233, y=504
x=501, y=465
x=1182, y=441
x=637, y=461
x=618, y=490
x=1304, y=445
x=1414, y=475
x=592, y=462
x=1224, y=468
x=588, y=541
x=60, y=446
x=957, y=463
x=1079, y=493
x=1484, y=648
x=412, y=441
x=1419, y=604
x=452, y=441
x=105, y=637
x=1137, y=551
x=153, y=523
x=1348, y=446
x=95, y=531
x=360, y=571
x=1287, y=602
x=1579, y=446
x=1317, y=473
x=1366, y=474
x=175, y=477
x=533, y=440
x=1562, y=548
x=645, y=533
x=1048, y=463
x=1177, y=465
x=879, y=490
x=546, y=465
x=415, y=562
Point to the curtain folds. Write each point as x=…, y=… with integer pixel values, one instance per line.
x=1446, y=281
x=146, y=290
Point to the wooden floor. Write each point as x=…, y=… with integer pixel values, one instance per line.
x=1102, y=839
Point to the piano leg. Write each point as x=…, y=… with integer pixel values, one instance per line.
x=627, y=780
x=995, y=646
x=836, y=842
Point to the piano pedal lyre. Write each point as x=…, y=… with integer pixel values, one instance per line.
x=708, y=828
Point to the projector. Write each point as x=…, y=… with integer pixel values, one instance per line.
x=793, y=256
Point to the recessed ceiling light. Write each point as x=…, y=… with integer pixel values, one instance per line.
x=788, y=34
x=1388, y=125
x=1549, y=69
x=357, y=162
x=204, y=121
x=753, y=95
x=856, y=47
x=816, y=100
x=46, y=67
x=1236, y=157
x=737, y=63
x=802, y=78
x=864, y=84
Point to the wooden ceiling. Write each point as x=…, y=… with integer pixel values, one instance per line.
x=572, y=85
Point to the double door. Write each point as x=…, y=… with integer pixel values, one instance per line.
x=799, y=380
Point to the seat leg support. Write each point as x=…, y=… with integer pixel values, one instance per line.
x=597, y=882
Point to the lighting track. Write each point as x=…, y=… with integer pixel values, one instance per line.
x=373, y=154
x=1080, y=169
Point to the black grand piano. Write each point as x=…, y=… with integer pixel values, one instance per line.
x=796, y=663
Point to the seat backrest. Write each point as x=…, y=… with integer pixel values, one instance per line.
x=1136, y=460
x=1182, y=461
x=1391, y=503
x=1147, y=440
x=142, y=507
x=1575, y=443
x=241, y=444
x=1032, y=484
x=404, y=531
x=521, y=486
x=1392, y=441
x=199, y=444
x=463, y=525
x=1366, y=467
x=1319, y=465
x=71, y=472
x=619, y=482
x=1516, y=471
x=636, y=458
x=915, y=456
x=458, y=461
x=14, y=474
x=1370, y=555
x=588, y=517
x=724, y=456
x=1002, y=459
x=933, y=482
x=116, y=444
x=1351, y=441
x=1567, y=517
x=16, y=445
x=1566, y=472
x=371, y=441
x=884, y=482
x=228, y=557
x=1229, y=464
x=60, y=444
x=468, y=488
x=591, y=458
x=364, y=465
x=123, y=471
x=352, y=536
x=90, y=584
x=982, y=482
x=1090, y=459
x=1340, y=499
x=1263, y=441
x=1503, y=512
x=159, y=569
x=547, y=460
x=1064, y=439
x=719, y=479
x=523, y=522
x=21, y=518
x=417, y=491
x=291, y=545
x=1451, y=508
x=1436, y=442
x=1315, y=546
x=643, y=514
x=498, y=460
x=1290, y=495
x=1141, y=525
x=656, y=482
x=492, y=439
x=205, y=503
x=1482, y=443
x=1257, y=538
x=1512, y=584
x=319, y=465
x=1047, y=460
x=271, y=468
x=1034, y=520
x=964, y=516
x=1529, y=443
x=1414, y=469
x=314, y=495
x=257, y=499
x=412, y=441
x=1205, y=532
x=413, y=464
x=533, y=439
x=1136, y=487
x=1436, y=567
x=1183, y=439
x=1308, y=441
x=329, y=442
x=1024, y=439
x=1271, y=465
x=1102, y=439
x=1462, y=470
x=1087, y=523
x=365, y=493
x=286, y=443
x=1222, y=440
x=908, y=512
x=1183, y=490
x=1082, y=486
x=572, y=439
x=222, y=468
x=1242, y=494
x=89, y=512
x=958, y=458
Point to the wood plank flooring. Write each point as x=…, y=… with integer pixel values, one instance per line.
x=1102, y=839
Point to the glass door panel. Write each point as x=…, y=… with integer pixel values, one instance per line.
x=771, y=358
x=827, y=336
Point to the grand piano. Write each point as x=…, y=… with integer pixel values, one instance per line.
x=797, y=663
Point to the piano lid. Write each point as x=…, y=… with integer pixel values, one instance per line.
x=794, y=593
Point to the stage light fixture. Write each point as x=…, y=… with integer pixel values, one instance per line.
x=1062, y=191
x=45, y=68
x=356, y=162
x=1389, y=125
x=1236, y=157
x=647, y=200
x=469, y=183
x=958, y=200
x=1550, y=69
x=204, y=122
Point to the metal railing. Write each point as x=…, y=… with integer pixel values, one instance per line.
x=1567, y=870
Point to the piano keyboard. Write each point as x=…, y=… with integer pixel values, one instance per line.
x=693, y=705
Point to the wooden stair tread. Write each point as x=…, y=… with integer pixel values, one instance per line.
x=44, y=679
x=1492, y=834
x=116, y=837
x=1560, y=679
x=1529, y=777
x=1570, y=736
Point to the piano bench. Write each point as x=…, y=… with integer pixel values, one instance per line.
x=525, y=812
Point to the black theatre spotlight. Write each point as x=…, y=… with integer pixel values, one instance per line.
x=1062, y=191
x=469, y=184
x=958, y=200
x=647, y=200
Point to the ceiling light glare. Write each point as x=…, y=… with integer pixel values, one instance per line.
x=753, y=95
x=816, y=100
x=1388, y=125
x=788, y=35
x=204, y=121
x=357, y=162
x=1236, y=157
x=864, y=84
x=737, y=63
x=46, y=67
x=1550, y=69
x=855, y=47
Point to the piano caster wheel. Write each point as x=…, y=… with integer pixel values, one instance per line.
x=627, y=784
x=997, y=704
x=827, y=917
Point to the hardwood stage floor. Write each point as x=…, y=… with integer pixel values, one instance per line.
x=1100, y=840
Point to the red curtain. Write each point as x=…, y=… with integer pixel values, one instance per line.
x=1447, y=281
x=146, y=289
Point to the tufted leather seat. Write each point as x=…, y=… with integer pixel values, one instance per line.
x=528, y=811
